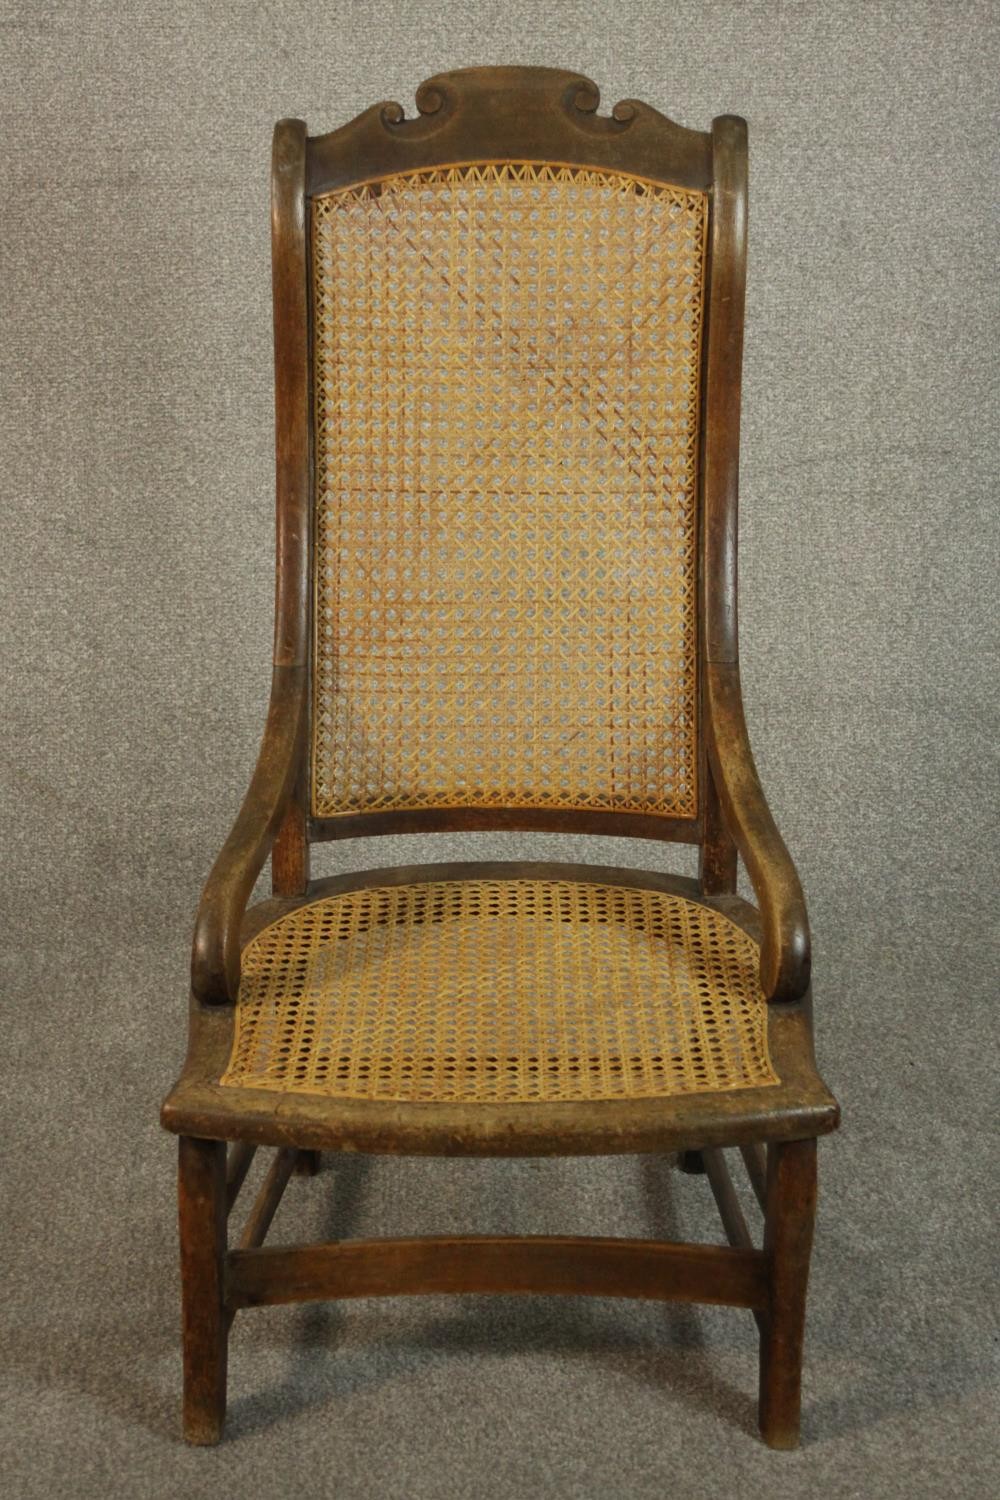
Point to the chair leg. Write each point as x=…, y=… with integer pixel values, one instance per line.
x=788, y=1233
x=202, y=1215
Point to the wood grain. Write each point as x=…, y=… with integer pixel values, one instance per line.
x=202, y=1219
x=503, y=1263
x=788, y=1236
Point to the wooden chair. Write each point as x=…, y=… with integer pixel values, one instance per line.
x=508, y=337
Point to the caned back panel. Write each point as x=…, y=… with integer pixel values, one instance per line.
x=506, y=368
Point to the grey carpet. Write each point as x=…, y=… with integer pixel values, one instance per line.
x=135, y=341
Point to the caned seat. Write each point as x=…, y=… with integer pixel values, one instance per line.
x=502, y=1008
x=508, y=335
x=500, y=991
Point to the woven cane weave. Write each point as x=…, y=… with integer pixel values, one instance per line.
x=506, y=377
x=501, y=990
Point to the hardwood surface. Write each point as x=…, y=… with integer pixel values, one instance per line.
x=510, y=114
x=788, y=1234
x=574, y=1266
x=202, y=1216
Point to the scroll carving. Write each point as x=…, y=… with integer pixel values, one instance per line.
x=507, y=113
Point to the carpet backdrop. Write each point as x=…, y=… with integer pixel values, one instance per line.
x=137, y=503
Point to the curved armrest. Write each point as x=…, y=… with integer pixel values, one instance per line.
x=215, y=959
x=785, y=948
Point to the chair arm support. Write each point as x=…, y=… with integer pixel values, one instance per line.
x=215, y=958
x=785, y=946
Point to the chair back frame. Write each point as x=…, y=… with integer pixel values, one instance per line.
x=477, y=115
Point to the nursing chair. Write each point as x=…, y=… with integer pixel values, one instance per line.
x=508, y=337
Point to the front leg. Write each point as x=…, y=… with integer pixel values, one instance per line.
x=790, y=1211
x=202, y=1215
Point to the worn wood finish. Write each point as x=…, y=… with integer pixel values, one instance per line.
x=755, y=1160
x=202, y=1218
x=293, y=470
x=728, y=1204
x=509, y=114
x=215, y=965
x=730, y=1212
x=496, y=819
x=738, y=910
x=238, y=1164
x=788, y=1235
x=610, y=1128
x=215, y=960
x=717, y=856
x=501, y=1263
x=785, y=947
x=290, y=853
x=266, y=1203
x=746, y=816
x=292, y=393
x=723, y=355
x=478, y=115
